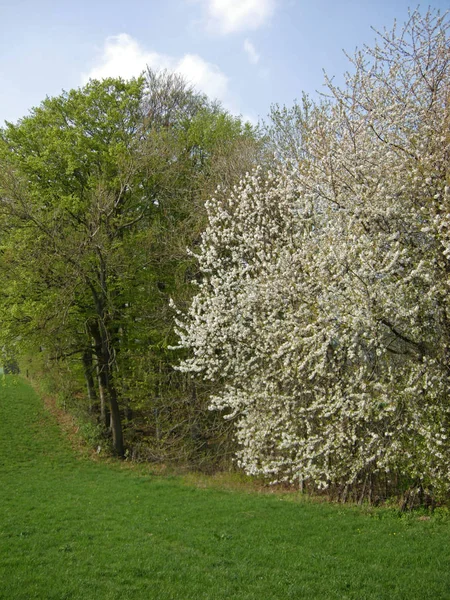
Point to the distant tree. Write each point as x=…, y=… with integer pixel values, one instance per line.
x=10, y=367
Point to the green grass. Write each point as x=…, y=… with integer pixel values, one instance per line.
x=74, y=528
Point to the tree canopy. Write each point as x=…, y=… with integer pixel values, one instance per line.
x=101, y=190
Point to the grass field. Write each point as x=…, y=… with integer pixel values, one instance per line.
x=74, y=528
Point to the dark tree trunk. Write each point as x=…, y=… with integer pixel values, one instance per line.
x=107, y=387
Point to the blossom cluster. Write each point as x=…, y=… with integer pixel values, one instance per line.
x=323, y=309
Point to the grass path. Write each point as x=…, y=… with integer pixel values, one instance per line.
x=71, y=528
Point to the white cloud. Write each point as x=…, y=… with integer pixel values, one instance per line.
x=122, y=56
x=233, y=16
x=251, y=52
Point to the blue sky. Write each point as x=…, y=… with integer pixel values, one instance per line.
x=247, y=53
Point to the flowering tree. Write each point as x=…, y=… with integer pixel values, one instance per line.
x=323, y=308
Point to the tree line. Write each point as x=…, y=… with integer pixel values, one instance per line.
x=311, y=312
x=102, y=191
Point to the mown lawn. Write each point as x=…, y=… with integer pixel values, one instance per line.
x=74, y=528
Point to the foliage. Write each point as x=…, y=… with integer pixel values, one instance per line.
x=100, y=193
x=323, y=310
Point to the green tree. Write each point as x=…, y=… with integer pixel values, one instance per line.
x=101, y=190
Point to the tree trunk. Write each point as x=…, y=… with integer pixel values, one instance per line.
x=107, y=387
x=88, y=376
x=104, y=412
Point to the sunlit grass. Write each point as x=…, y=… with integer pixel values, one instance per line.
x=74, y=528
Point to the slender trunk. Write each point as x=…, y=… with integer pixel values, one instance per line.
x=363, y=491
x=344, y=494
x=107, y=387
x=88, y=376
x=104, y=412
x=116, y=423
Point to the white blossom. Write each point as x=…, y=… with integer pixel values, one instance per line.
x=323, y=311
